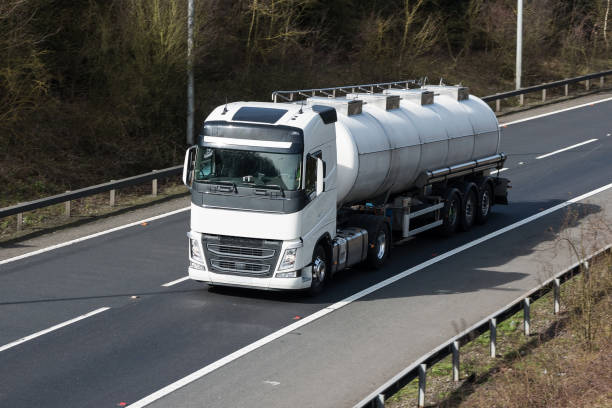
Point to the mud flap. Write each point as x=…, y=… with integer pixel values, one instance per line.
x=501, y=190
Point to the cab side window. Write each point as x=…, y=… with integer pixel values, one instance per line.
x=310, y=185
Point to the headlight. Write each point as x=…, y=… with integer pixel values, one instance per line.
x=195, y=250
x=288, y=261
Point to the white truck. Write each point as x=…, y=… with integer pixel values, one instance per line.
x=285, y=195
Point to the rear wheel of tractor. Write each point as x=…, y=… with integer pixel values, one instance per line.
x=485, y=199
x=319, y=271
x=378, y=248
x=451, y=212
x=468, y=207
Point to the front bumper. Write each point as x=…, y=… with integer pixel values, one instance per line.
x=271, y=283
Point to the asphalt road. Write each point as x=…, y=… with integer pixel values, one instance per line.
x=152, y=335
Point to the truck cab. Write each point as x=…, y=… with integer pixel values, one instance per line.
x=263, y=195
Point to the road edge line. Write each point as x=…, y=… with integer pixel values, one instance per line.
x=555, y=112
x=95, y=235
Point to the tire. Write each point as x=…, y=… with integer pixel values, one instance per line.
x=379, y=245
x=375, y=225
x=485, y=200
x=469, y=205
x=320, y=270
x=451, y=212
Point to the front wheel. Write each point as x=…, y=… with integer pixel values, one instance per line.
x=319, y=271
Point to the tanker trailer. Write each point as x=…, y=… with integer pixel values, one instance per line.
x=286, y=194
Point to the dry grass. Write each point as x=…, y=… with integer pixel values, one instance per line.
x=564, y=363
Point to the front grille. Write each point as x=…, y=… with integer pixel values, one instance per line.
x=241, y=256
x=241, y=252
x=240, y=267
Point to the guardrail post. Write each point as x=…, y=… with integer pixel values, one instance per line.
x=526, y=315
x=455, y=348
x=380, y=401
x=112, y=197
x=498, y=105
x=19, y=221
x=492, y=337
x=557, y=294
x=67, y=207
x=566, y=89
x=601, y=81
x=422, y=384
x=543, y=95
x=154, y=187
x=521, y=99
x=587, y=84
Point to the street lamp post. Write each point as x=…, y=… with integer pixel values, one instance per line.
x=190, y=103
x=519, y=42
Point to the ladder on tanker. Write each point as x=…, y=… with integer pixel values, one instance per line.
x=292, y=96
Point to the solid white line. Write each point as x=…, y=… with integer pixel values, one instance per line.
x=555, y=112
x=97, y=234
x=566, y=148
x=499, y=171
x=174, y=282
x=50, y=329
x=319, y=314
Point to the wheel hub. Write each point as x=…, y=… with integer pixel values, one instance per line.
x=381, y=242
x=318, y=270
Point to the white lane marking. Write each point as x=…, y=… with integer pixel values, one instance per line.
x=499, y=171
x=174, y=282
x=329, y=309
x=50, y=329
x=566, y=148
x=97, y=234
x=555, y=112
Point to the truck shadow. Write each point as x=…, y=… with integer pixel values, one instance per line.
x=446, y=276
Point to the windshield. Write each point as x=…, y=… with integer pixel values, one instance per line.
x=258, y=169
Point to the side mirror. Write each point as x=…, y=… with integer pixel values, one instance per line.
x=188, y=166
x=320, y=177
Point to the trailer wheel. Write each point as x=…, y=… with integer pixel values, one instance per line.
x=378, y=248
x=468, y=207
x=451, y=212
x=485, y=200
x=319, y=271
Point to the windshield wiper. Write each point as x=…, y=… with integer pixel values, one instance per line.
x=267, y=186
x=221, y=183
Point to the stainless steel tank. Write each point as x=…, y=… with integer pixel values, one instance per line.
x=384, y=141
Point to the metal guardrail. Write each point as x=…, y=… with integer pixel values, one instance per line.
x=418, y=369
x=88, y=191
x=111, y=186
x=543, y=87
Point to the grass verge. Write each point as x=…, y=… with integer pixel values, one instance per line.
x=565, y=362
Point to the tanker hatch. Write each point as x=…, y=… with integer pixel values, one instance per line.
x=386, y=102
x=418, y=96
x=347, y=107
